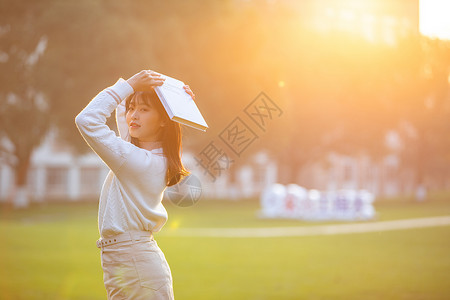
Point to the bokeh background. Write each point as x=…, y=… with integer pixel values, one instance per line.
x=362, y=92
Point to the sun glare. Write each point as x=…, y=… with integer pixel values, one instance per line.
x=434, y=18
x=174, y=224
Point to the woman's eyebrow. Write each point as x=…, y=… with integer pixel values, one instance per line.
x=140, y=103
x=144, y=104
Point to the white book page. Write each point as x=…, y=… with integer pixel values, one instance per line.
x=180, y=103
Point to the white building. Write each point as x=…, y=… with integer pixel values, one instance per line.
x=56, y=173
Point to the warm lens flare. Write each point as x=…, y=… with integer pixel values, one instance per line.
x=434, y=20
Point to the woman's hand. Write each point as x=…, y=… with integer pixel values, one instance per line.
x=145, y=80
x=188, y=90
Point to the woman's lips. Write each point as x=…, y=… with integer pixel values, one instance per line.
x=134, y=125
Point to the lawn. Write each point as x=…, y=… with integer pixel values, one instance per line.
x=49, y=252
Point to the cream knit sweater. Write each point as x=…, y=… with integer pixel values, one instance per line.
x=133, y=189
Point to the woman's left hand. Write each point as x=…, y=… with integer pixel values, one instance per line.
x=188, y=90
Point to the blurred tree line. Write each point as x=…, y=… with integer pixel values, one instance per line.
x=338, y=92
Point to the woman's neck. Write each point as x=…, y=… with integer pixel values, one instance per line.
x=150, y=145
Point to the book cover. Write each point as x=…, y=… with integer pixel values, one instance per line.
x=179, y=105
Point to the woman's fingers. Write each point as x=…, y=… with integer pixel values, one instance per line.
x=145, y=80
x=155, y=78
x=189, y=91
x=159, y=82
x=152, y=74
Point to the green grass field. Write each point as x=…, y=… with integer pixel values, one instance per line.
x=49, y=252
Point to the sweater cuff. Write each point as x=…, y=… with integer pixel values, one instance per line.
x=122, y=89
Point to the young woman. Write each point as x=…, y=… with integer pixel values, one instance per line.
x=143, y=161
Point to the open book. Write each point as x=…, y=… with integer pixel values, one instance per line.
x=179, y=105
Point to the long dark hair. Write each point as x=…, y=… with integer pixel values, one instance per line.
x=171, y=137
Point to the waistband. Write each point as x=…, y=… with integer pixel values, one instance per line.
x=124, y=237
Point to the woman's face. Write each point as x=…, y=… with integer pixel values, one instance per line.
x=144, y=121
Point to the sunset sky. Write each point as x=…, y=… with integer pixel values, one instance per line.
x=434, y=18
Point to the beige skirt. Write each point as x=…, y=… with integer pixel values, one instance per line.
x=135, y=268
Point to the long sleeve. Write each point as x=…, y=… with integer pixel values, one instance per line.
x=91, y=122
x=121, y=122
x=133, y=190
